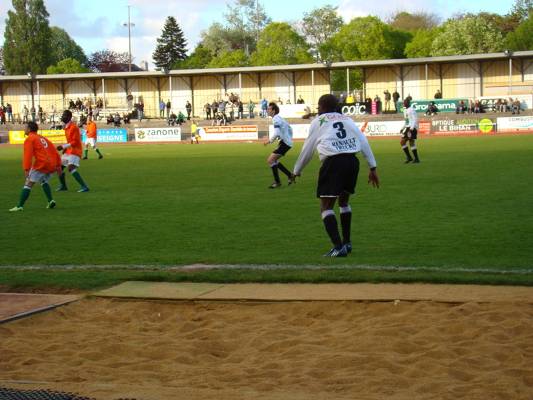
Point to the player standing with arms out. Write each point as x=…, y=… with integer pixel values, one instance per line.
x=337, y=140
x=40, y=161
x=410, y=132
x=91, y=138
x=283, y=132
x=71, y=153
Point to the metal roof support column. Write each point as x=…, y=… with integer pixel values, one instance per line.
x=364, y=83
x=94, y=91
x=480, y=79
x=510, y=75
x=1, y=93
x=170, y=89
x=192, y=95
x=240, y=86
x=103, y=93
x=440, y=77
x=294, y=87
x=402, y=81
x=427, y=88
x=313, y=86
x=63, y=93
x=260, y=86
x=347, y=81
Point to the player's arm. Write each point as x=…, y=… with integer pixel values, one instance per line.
x=373, y=177
x=28, y=156
x=276, y=133
x=308, y=149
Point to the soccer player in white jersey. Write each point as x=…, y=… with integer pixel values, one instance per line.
x=282, y=132
x=410, y=131
x=337, y=139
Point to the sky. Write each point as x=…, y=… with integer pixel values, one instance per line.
x=98, y=24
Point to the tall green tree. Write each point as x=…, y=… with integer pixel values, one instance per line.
x=522, y=37
x=63, y=47
x=171, y=46
x=235, y=58
x=422, y=43
x=368, y=38
x=470, y=35
x=27, y=46
x=280, y=44
x=319, y=26
x=198, y=59
x=244, y=21
x=67, y=66
x=413, y=22
x=2, y=70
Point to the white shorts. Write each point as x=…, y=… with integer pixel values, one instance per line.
x=38, y=176
x=70, y=159
x=91, y=141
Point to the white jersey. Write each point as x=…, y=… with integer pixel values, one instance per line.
x=331, y=134
x=282, y=131
x=411, y=119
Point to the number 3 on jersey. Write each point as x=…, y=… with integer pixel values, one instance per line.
x=341, y=133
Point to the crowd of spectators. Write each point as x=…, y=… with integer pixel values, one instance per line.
x=499, y=106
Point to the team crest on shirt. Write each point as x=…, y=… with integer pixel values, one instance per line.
x=323, y=120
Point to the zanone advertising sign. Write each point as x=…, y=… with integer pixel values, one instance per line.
x=158, y=134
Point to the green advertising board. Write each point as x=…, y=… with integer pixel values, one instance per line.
x=444, y=105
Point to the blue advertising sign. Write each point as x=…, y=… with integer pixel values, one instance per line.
x=108, y=135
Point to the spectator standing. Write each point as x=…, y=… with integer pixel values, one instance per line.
x=25, y=113
x=264, y=106
x=188, y=108
x=395, y=99
x=161, y=108
x=240, y=109
x=33, y=114
x=9, y=112
x=251, y=107
x=516, y=106
x=300, y=100
x=387, y=97
x=169, y=105
x=41, y=115
x=207, y=109
x=140, y=110
x=2, y=115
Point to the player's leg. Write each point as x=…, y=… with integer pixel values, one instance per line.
x=62, y=178
x=73, y=169
x=412, y=143
x=95, y=148
x=272, y=161
x=48, y=191
x=346, y=220
x=331, y=226
x=405, y=148
x=86, y=150
x=24, y=193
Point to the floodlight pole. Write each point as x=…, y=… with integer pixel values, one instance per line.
x=129, y=25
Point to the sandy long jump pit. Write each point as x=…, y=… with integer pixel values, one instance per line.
x=112, y=348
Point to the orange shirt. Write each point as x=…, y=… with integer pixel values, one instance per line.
x=42, y=153
x=73, y=135
x=91, y=130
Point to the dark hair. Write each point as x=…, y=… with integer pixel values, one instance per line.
x=274, y=106
x=406, y=103
x=32, y=126
x=328, y=103
x=68, y=113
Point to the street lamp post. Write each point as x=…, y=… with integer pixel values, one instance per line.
x=129, y=24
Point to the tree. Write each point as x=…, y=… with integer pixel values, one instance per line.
x=199, y=58
x=67, y=66
x=2, y=70
x=63, y=47
x=280, y=44
x=405, y=21
x=171, y=46
x=27, y=46
x=236, y=58
x=108, y=61
x=422, y=43
x=368, y=38
x=470, y=35
x=319, y=26
x=245, y=20
x=522, y=37
x=522, y=9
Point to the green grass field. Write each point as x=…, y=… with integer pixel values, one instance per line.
x=468, y=205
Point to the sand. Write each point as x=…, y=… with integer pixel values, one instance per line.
x=112, y=349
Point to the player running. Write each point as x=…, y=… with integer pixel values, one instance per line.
x=71, y=153
x=39, y=162
x=91, y=138
x=410, y=132
x=337, y=139
x=283, y=132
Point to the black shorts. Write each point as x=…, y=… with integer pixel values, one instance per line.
x=338, y=175
x=414, y=132
x=282, y=148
